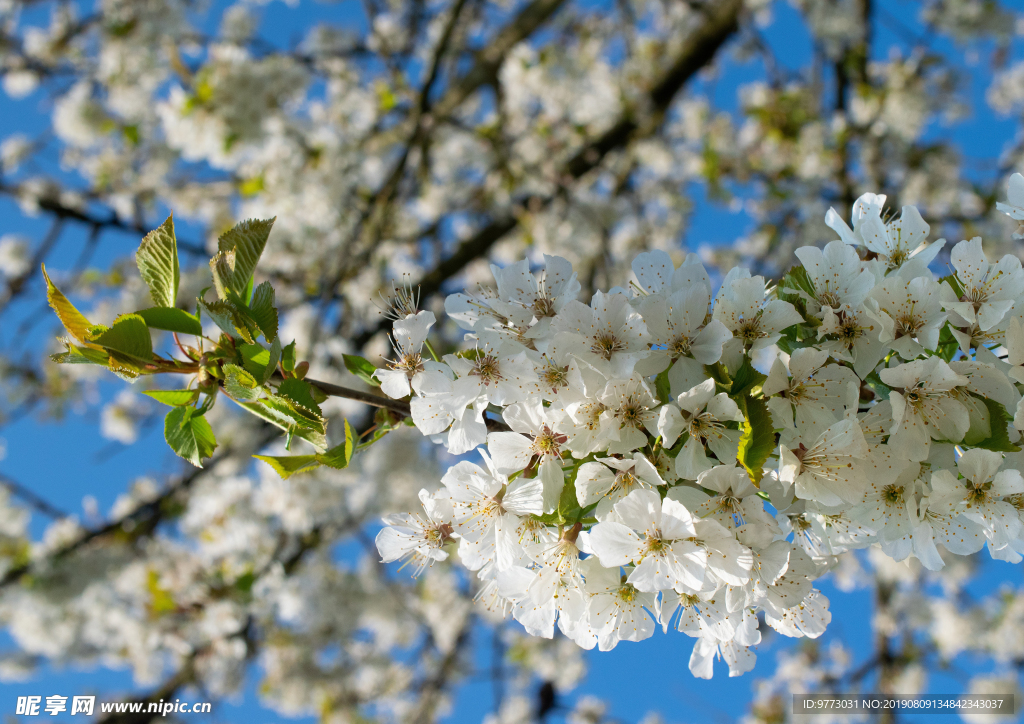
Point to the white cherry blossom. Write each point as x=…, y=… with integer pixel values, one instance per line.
x=980, y=495
x=745, y=309
x=829, y=471
x=1015, y=206
x=808, y=395
x=616, y=609
x=657, y=537
x=909, y=314
x=613, y=335
x=837, y=277
x=703, y=416
x=418, y=538
x=609, y=480
x=923, y=406
x=989, y=290
x=535, y=437
x=409, y=335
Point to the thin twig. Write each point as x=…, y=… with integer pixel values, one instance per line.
x=35, y=501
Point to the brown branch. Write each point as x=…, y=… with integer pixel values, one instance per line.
x=53, y=206
x=722, y=23
x=141, y=521
x=400, y=407
x=424, y=117
x=433, y=688
x=35, y=501
x=187, y=673
x=376, y=216
x=15, y=286
x=492, y=55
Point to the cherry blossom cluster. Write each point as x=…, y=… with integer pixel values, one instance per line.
x=668, y=455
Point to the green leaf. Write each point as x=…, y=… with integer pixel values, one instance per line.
x=189, y=435
x=157, y=259
x=746, y=379
x=954, y=284
x=245, y=243
x=568, y=503
x=123, y=367
x=247, y=294
x=663, y=388
x=174, y=398
x=74, y=321
x=278, y=412
x=288, y=357
x=796, y=280
x=299, y=392
x=171, y=319
x=259, y=361
x=222, y=268
x=360, y=368
x=263, y=311
x=81, y=355
x=289, y=465
x=948, y=346
x=999, y=420
x=875, y=384
x=243, y=584
x=129, y=336
x=720, y=375
x=758, y=439
x=225, y=316
x=300, y=413
x=339, y=456
x=569, y=510
x=240, y=385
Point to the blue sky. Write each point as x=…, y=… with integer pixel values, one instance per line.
x=60, y=459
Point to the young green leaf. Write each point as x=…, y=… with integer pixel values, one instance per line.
x=247, y=294
x=174, y=398
x=278, y=412
x=240, y=385
x=123, y=367
x=948, y=345
x=289, y=465
x=259, y=361
x=301, y=414
x=171, y=319
x=288, y=357
x=74, y=321
x=189, y=435
x=746, y=379
x=758, y=439
x=224, y=316
x=222, y=268
x=247, y=240
x=360, y=368
x=300, y=392
x=568, y=503
x=999, y=420
x=263, y=312
x=339, y=456
x=81, y=355
x=128, y=336
x=662, y=386
x=157, y=259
